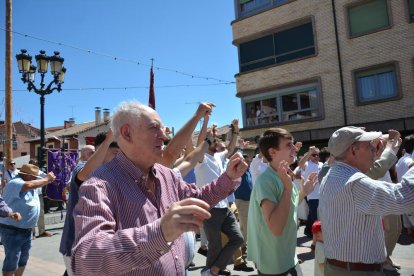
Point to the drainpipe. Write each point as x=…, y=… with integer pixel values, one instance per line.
x=338, y=51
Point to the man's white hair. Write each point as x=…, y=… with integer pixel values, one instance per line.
x=86, y=152
x=128, y=112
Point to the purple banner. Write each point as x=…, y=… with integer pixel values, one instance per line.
x=61, y=164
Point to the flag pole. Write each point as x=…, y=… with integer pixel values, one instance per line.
x=151, y=99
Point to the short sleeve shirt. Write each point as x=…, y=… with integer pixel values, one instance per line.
x=26, y=203
x=273, y=255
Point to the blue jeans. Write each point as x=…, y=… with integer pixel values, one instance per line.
x=17, y=245
x=313, y=215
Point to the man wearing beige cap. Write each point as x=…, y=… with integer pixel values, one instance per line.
x=352, y=203
x=21, y=194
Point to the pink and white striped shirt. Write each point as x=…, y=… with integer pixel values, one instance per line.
x=117, y=221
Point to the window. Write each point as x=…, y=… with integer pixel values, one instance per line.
x=283, y=105
x=249, y=7
x=280, y=47
x=368, y=17
x=411, y=10
x=14, y=142
x=376, y=84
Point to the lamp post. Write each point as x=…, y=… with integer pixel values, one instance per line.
x=28, y=71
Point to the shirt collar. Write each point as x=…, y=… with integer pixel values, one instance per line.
x=346, y=167
x=131, y=168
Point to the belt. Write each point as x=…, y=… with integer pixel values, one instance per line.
x=355, y=266
x=17, y=229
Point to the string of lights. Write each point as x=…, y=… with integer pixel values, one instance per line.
x=118, y=58
x=131, y=87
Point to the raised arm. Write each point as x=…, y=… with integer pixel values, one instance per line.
x=34, y=184
x=387, y=156
x=302, y=161
x=96, y=159
x=192, y=158
x=178, y=142
x=203, y=131
x=234, y=134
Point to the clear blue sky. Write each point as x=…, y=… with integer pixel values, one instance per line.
x=189, y=36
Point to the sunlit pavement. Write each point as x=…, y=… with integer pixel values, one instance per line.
x=45, y=258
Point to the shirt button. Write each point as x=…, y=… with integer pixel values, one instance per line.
x=136, y=181
x=162, y=252
x=176, y=257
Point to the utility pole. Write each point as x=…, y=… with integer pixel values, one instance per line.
x=8, y=97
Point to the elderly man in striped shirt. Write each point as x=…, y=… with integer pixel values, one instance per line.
x=133, y=211
x=352, y=203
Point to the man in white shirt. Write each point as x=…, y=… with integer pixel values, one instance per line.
x=222, y=219
x=11, y=173
x=309, y=164
x=402, y=167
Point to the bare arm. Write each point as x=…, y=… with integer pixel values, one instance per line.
x=34, y=184
x=191, y=160
x=189, y=147
x=178, y=142
x=96, y=159
x=203, y=135
x=234, y=135
x=302, y=161
x=203, y=131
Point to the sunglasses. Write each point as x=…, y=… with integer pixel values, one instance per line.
x=12, y=163
x=314, y=155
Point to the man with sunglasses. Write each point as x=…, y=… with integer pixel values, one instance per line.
x=309, y=164
x=11, y=173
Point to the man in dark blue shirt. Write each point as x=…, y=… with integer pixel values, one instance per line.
x=242, y=195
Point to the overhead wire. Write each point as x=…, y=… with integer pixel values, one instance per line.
x=118, y=58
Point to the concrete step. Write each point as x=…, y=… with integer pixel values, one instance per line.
x=55, y=217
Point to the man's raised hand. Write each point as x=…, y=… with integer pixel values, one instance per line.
x=183, y=216
x=236, y=166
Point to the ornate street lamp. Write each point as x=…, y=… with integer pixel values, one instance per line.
x=24, y=61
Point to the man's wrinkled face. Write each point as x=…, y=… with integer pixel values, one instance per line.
x=365, y=153
x=149, y=137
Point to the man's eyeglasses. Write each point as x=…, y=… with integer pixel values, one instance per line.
x=12, y=163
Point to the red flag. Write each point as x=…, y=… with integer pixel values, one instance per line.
x=151, y=100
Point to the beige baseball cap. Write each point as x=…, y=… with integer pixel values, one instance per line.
x=344, y=137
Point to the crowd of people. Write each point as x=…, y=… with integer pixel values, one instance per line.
x=139, y=198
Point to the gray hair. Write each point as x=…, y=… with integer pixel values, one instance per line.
x=128, y=112
x=86, y=152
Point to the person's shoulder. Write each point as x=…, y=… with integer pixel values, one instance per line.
x=16, y=181
x=269, y=176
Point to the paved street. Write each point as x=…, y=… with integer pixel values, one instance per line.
x=45, y=259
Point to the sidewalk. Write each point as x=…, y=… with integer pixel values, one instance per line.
x=403, y=255
x=45, y=258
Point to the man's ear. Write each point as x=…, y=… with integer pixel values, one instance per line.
x=125, y=133
x=272, y=152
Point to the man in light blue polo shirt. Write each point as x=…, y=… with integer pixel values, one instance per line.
x=21, y=195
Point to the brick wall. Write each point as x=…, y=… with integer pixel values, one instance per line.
x=395, y=44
